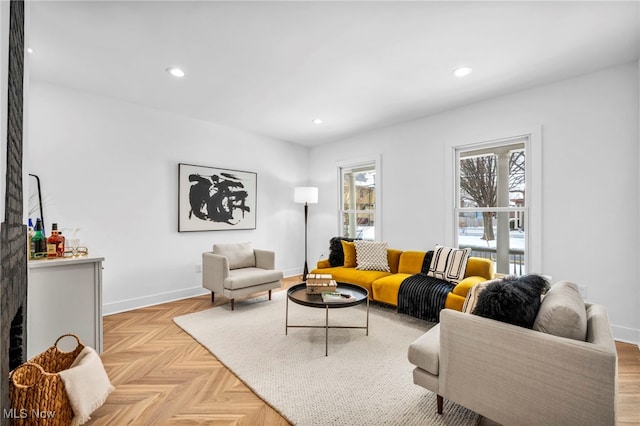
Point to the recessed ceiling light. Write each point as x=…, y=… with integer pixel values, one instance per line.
x=317, y=121
x=30, y=50
x=176, y=72
x=462, y=71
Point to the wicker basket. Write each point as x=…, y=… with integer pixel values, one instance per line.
x=36, y=391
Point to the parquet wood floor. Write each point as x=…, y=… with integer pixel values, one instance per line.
x=164, y=377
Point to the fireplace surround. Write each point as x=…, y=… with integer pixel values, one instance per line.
x=13, y=232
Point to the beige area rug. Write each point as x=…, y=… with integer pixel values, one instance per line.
x=365, y=380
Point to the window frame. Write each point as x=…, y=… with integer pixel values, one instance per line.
x=533, y=178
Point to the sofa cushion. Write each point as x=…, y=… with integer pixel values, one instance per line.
x=514, y=300
x=562, y=312
x=371, y=256
x=411, y=262
x=239, y=255
x=248, y=277
x=336, y=255
x=424, y=352
x=349, y=250
x=448, y=264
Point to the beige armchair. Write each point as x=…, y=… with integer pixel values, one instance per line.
x=234, y=270
x=514, y=375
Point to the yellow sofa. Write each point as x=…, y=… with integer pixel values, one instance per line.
x=384, y=286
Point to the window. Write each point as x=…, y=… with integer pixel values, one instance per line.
x=358, y=200
x=491, y=213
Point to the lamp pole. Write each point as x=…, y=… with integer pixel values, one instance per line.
x=305, y=271
x=305, y=195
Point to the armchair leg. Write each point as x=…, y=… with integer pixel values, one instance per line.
x=269, y=294
x=439, y=400
x=233, y=304
x=212, y=296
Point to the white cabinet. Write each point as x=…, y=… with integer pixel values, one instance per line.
x=64, y=296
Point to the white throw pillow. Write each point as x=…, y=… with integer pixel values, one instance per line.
x=239, y=255
x=371, y=256
x=448, y=263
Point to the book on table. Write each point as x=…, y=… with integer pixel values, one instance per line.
x=334, y=296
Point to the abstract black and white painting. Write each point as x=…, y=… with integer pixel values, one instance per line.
x=213, y=199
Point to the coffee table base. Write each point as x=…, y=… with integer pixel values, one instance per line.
x=326, y=326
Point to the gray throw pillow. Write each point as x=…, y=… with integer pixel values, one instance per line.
x=562, y=312
x=239, y=255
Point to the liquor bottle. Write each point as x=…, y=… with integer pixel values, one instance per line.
x=54, y=243
x=30, y=233
x=38, y=242
x=63, y=244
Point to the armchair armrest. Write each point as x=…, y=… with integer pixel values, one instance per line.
x=215, y=269
x=265, y=259
x=543, y=378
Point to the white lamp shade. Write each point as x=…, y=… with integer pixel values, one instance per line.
x=305, y=194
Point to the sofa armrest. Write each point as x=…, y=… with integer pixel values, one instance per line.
x=323, y=263
x=463, y=287
x=543, y=379
x=215, y=269
x=481, y=267
x=265, y=259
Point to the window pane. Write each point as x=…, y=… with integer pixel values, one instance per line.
x=478, y=181
x=493, y=177
x=358, y=202
x=359, y=225
x=359, y=190
x=499, y=236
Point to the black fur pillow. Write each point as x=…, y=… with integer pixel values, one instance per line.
x=514, y=300
x=336, y=255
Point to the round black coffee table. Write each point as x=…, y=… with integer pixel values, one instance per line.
x=298, y=294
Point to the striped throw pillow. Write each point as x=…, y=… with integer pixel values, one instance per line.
x=448, y=263
x=471, y=300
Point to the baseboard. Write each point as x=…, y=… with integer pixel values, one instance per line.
x=292, y=272
x=155, y=299
x=171, y=296
x=625, y=334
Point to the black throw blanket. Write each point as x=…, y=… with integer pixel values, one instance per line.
x=422, y=296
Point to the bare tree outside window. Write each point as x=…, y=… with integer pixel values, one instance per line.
x=479, y=184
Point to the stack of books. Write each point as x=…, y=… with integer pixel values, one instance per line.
x=319, y=283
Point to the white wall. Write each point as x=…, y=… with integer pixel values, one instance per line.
x=111, y=169
x=590, y=181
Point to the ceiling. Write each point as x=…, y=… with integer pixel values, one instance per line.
x=271, y=68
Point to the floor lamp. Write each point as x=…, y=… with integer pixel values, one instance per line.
x=307, y=195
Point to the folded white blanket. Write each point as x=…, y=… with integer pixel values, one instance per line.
x=87, y=385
